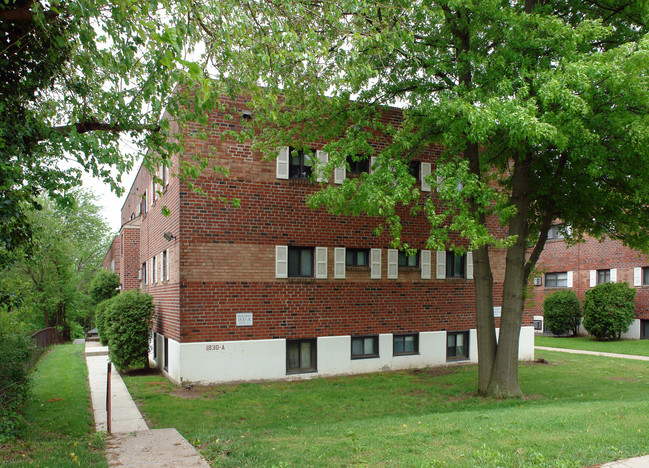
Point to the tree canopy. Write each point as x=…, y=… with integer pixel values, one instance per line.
x=541, y=106
x=53, y=286
x=75, y=78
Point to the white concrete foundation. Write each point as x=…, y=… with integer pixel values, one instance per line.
x=231, y=361
x=633, y=333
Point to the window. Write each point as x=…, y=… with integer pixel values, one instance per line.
x=645, y=276
x=556, y=280
x=165, y=353
x=413, y=169
x=357, y=257
x=603, y=276
x=455, y=265
x=154, y=278
x=357, y=166
x=300, y=262
x=143, y=204
x=155, y=346
x=457, y=345
x=301, y=356
x=554, y=232
x=143, y=273
x=408, y=260
x=300, y=164
x=405, y=344
x=165, y=267
x=538, y=325
x=365, y=347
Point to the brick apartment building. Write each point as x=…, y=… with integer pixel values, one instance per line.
x=273, y=289
x=585, y=265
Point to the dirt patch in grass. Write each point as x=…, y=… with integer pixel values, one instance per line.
x=52, y=400
x=438, y=371
x=538, y=362
x=192, y=392
x=623, y=379
x=156, y=382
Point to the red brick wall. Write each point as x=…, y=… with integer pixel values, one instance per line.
x=580, y=259
x=227, y=257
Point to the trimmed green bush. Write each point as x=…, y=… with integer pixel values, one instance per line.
x=15, y=350
x=100, y=321
x=127, y=320
x=609, y=309
x=104, y=286
x=562, y=312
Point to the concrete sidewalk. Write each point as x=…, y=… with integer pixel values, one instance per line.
x=131, y=442
x=637, y=462
x=595, y=353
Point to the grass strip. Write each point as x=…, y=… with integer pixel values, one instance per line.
x=59, y=428
x=587, y=343
x=579, y=410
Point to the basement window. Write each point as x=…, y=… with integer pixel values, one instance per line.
x=457, y=346
x=301, y=356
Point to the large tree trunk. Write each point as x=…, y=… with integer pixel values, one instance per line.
x=504, y=378
x=483, y=282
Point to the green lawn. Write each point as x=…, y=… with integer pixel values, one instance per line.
x=639, y=347
x=60, y=429
x=579, y=410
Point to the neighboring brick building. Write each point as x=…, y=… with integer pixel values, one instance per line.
x=274, y=289
x=583, y=266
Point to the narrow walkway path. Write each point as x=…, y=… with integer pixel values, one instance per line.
x=132, y=443
x=595, y=353
x=637, y=462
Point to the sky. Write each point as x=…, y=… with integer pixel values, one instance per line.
x=110, y=203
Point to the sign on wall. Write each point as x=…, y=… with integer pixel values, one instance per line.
x=244, y=319
x=497, y=311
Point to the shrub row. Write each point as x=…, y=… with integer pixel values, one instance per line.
x=123, y=324
x=608, y=311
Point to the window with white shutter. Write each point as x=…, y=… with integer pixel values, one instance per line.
x=323, y=159
x=569, y=280
x=469, y=265
x=425, y=171
x=154, y=278
x=339, y=262
x=281, y=261
x=372, y=162
x=321, y=262
x=282, y=163
x=613, y=275
x=393, y=263
x=161, y=263
x=425, y=264
x=441, y=264
x=375, y=263
x=593, y=278
x=340, y=174
x=637, y=276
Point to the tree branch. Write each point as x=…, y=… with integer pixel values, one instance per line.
x=94, y=126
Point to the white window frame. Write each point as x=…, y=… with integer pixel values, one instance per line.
x=282, y=163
